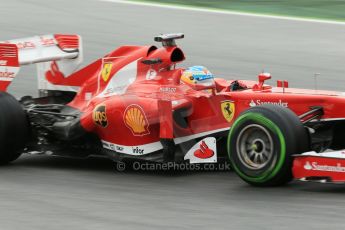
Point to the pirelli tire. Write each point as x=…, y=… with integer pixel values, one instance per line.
x=14, y=128
x=261, y=143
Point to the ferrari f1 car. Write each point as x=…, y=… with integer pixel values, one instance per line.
x=136, y=103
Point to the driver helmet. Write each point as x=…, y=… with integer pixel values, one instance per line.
x=198, y=76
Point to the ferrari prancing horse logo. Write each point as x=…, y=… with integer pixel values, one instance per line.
x=228, y=110
x=106, y=70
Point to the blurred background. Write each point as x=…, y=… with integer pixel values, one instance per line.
x=317, y=9
x=230, y=45
x=53, y=193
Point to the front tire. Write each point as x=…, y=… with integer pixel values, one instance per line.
x=14, y=128
x=261, y=143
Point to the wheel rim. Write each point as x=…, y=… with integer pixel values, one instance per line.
x=255, y=147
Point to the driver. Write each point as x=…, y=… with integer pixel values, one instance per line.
x=198, y=77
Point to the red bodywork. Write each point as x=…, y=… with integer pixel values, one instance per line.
x=132, y=106
x=321, y=167
x=143, y=102
x=138, y=100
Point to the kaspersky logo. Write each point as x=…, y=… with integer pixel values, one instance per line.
x=254, y=103
x=315, y=166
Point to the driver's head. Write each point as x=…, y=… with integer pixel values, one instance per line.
x=197, y=75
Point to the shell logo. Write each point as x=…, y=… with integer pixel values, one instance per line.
x=135, y=119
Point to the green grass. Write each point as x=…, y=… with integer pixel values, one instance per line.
x=320, y=9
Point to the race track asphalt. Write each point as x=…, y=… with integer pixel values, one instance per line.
x=45, y=192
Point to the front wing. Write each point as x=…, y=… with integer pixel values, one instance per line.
x=327, y=167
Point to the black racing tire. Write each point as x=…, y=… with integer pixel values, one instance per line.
x=14, y=128
x=261, y=143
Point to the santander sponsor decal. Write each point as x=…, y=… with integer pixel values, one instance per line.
x=205, y=151
x=260, y=102
x=315, y=166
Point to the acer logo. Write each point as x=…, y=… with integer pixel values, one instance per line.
x=100, y=117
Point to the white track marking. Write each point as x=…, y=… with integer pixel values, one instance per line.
x=229, y=12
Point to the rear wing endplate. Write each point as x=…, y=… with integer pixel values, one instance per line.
x=56, y=56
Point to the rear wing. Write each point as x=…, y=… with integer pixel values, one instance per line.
x=56, y=56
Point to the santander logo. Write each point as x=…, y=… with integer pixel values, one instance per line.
x=307, y=166
x=254, y=103
x=315, y=166
x=204, y=151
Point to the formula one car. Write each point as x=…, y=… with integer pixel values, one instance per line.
x=136, y=103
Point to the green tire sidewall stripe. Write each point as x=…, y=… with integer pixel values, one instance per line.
x=260, y=119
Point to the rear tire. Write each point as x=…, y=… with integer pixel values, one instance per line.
x=261, y=143
x=14, y=128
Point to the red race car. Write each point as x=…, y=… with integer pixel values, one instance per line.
x=135, y=103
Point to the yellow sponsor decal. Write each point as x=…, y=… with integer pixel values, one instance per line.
x=228, y=110
x=135, y=119
x=106, y=70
